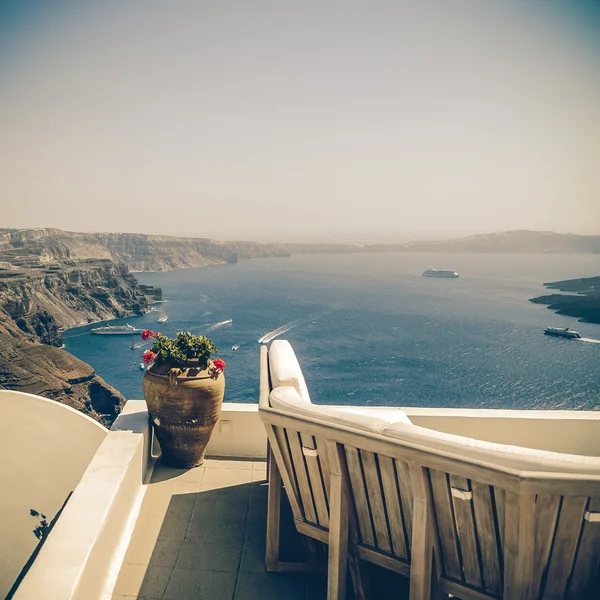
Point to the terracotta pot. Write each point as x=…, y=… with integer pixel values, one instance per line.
x=184, y=405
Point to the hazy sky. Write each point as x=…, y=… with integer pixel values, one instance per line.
x=300, y=120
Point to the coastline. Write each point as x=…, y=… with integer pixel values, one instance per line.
x=581, y=298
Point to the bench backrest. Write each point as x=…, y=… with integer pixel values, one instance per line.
x=495, y=532
x=536, y=539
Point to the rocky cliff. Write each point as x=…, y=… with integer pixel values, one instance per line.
x=73, y=294
x=138, y=252
x=582, y=301
x=39, y=297
x=29, y=366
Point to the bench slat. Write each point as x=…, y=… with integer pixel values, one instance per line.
x=487, y=536
x=392, y=503
x=282, y=444
x=465, y=529
x=570, y=522
x=286, y=472
x=361, y=503
x=500, y=503
x=324, y=465
x=301, y=476
x=316, y=483
x=546, y=518
x=406, y=498
x=373, y=485
x=445, y=524
x=519, y=545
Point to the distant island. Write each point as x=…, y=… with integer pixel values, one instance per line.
x=581, y=301
x=52, y=279
x=517, y=242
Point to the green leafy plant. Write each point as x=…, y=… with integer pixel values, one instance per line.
x=181, y=350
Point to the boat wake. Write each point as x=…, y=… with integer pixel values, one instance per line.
x=219, y=324
x=140, y=345
x=590, y=340
x=271, y=335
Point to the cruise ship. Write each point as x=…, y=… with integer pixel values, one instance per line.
x=449, y=273
x=562, y=332
x=116, y=330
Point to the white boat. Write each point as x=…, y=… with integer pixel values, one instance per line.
x=217, y=325
x=139, y=345
x=163, y=319
x=562, y=332
x=235, y=346
x=447, y=273
x=116, y=330
x=142, y=367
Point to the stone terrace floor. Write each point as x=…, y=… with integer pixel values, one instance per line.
x=200, y=534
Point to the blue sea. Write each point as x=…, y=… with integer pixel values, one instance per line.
x=368, y=329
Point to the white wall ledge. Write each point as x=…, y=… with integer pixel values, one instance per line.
x=239, y=432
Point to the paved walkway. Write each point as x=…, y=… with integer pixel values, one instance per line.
x=201, y=535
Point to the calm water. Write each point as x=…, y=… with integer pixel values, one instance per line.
x=369, y=329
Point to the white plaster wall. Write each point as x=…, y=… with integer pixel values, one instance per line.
x=45, y=447
x=566, y=431
x=82, y=555
x=239, y=433
x=570, y=432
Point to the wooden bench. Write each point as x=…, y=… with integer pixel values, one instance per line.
x=458, y=516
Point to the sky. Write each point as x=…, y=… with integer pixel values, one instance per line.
x=300, y=121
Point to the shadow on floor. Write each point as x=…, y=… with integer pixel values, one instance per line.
x=211, y=544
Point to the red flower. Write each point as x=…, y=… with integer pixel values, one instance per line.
x=219, y=363
x=149, y=356
x=147, y=334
